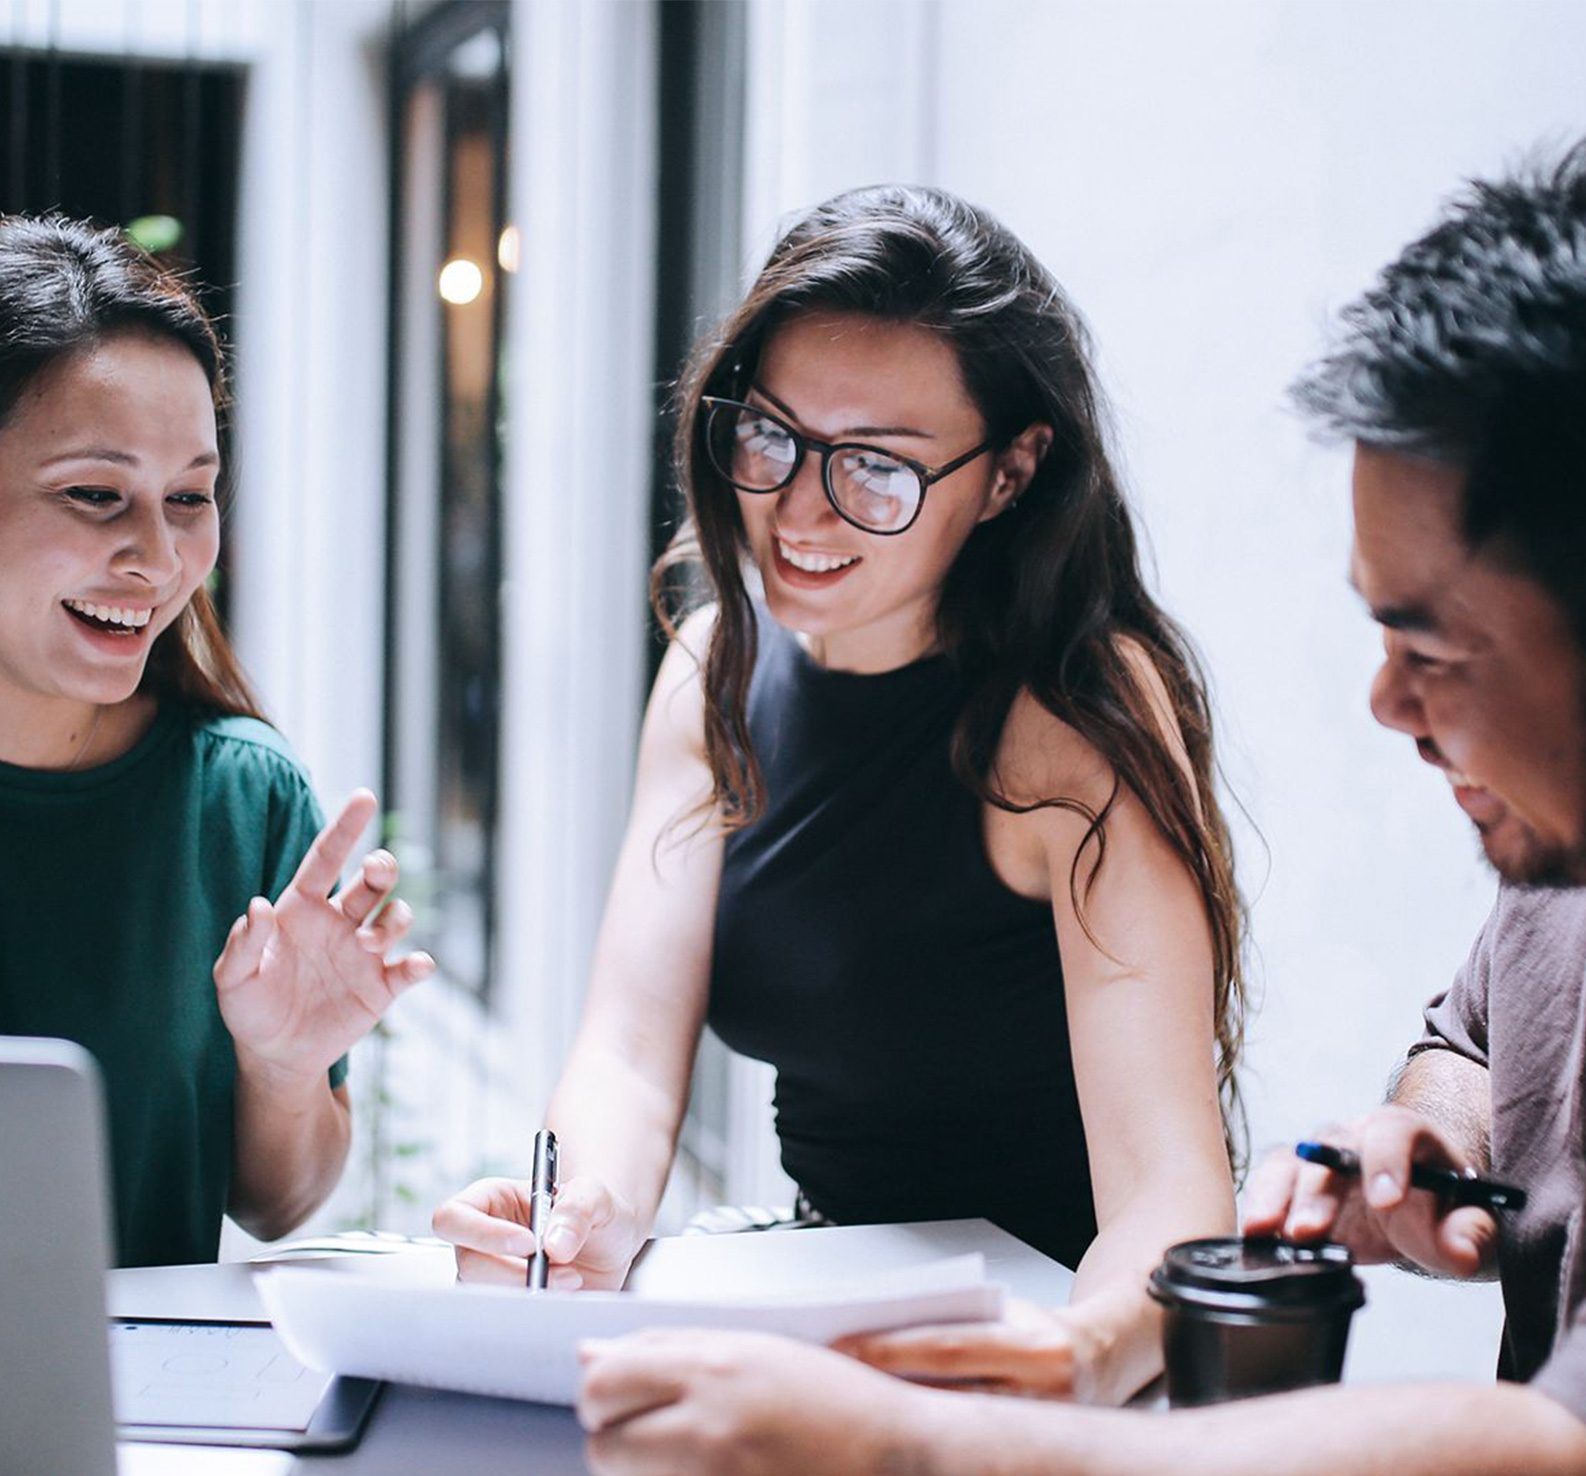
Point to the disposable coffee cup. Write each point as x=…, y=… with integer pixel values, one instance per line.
x=1253, y=1316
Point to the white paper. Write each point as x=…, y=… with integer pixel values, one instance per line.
x=505, y=1342
x=815, y=1259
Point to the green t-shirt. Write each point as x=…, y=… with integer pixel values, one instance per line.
x=118, y=885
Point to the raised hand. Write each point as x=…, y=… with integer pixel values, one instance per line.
x=302, y=980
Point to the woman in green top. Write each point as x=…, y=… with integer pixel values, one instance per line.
x=164, y=897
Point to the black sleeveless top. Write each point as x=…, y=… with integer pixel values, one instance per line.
x=911, y=1004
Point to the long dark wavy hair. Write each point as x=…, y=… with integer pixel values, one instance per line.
x=1047, y=597
x=66, y=285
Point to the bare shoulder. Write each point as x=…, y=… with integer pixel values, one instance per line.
x=693, y=635
x=1042, y=756
x=1153, y=687
x=674, y=722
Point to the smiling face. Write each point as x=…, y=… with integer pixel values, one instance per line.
x=867, y=602
x=1482, y=668
x=107, y=526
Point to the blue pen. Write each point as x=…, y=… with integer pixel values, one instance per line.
x=1459, y=1188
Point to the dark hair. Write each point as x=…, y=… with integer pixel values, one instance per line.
x=1470, y=350
x=1047, y=597
x=66, y=285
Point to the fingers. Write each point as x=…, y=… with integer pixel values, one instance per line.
x=1270, y=1192
x=665, y=1440
x=1376, y=1213
x=488, y=1223
x=406, y=972
x=1032, y=1358
x=489, y=1216
x=1317, y=1202
x=625, y=1377
x=478, y=1269
x=387, y=930
x=244, y=947
x=921, y=1350
x=1419, y=1224
x=1391, y=1141
x=321, y=868
x=374, y=883
x=582, y=1207
x=1466, y=1241
x=1302, y=1201
x=385, y=933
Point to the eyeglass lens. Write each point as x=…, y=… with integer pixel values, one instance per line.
x=758, y=453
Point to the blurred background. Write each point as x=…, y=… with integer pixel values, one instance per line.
x=461, y=248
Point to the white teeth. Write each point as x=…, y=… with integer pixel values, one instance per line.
x=1458, y=780
x=112, y=614
x=813, y=563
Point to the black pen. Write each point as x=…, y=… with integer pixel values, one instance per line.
x=542, y=1195
x=1459, y=1188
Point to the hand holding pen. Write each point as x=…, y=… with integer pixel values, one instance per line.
x=584, y=1234
x=1366, y=1189
x=1458, y=1188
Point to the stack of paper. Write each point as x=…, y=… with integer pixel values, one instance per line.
x=505, y=1342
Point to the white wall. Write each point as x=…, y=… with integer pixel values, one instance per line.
x=577, y=496
x=1210, y=181
x=310, y=378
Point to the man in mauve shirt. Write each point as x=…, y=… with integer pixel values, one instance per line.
x=1460, y=377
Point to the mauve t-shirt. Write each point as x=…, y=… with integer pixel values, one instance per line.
x=1518, y=1007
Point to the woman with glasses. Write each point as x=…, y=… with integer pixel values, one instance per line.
x=164, y=898
x=924, y=813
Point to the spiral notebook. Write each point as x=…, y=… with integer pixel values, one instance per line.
x=505, y=1342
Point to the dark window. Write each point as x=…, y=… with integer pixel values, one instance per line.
x=149, y=145
x=452, y=253
x=701, y=101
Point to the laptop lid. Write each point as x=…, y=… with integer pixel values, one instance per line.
x=55, y=1405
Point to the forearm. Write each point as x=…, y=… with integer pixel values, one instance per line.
x=1455, y=1093
x=615, y=1124
x=1410, y=1430
x=290, y=1141
x=1110, y=1307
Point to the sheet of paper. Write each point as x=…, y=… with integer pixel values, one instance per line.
x=225, y=1293
x=206, y=1374
x=750, y=1264
x=504, y=1342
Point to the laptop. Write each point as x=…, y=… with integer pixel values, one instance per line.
x=56, y=1402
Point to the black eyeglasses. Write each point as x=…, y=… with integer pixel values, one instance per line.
x=878, y=491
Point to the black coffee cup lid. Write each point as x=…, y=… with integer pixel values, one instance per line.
x=1273, y=1272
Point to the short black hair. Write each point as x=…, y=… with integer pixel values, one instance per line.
x=1470, y=350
